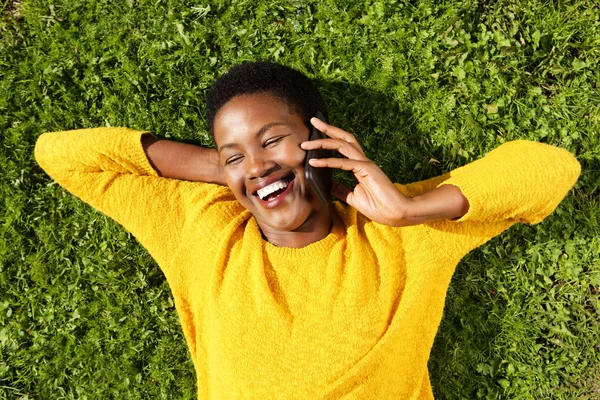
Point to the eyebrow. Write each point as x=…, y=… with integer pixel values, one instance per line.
x=260, y=132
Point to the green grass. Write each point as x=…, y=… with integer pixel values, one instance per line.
x=86, y=313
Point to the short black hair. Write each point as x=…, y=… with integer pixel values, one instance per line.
x=288, y=84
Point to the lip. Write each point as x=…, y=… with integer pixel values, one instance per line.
x=268, y=181
x=277, y=200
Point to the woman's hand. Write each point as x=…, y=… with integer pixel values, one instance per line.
x=374, y=196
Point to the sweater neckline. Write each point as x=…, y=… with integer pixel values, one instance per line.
x=316, y=248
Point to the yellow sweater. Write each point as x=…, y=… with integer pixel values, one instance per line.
x=352, y=316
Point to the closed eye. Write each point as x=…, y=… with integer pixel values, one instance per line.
x=272, y=141
x=233, y=160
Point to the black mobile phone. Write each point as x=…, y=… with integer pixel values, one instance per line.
x=318, y=178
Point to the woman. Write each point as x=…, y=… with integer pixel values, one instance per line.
x=280, y=297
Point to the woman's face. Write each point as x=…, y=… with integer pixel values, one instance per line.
x=258, y=139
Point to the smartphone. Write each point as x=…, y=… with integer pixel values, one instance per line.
x=319, y=179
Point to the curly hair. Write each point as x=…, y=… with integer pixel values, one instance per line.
x=289, y=85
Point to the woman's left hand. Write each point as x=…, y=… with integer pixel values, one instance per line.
x=374, y=196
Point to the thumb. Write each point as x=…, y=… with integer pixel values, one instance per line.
x=340, y=191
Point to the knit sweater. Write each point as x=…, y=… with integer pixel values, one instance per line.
x=351, y=316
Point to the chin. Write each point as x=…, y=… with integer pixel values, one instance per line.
x=286, y=221
x=283, y=223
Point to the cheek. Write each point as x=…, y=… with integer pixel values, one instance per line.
x=234, y=181
x=293, y=155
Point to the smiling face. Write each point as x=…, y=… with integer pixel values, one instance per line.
x=258, y=139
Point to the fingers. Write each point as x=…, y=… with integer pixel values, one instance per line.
x=333, y=131
x=358, y=167
x=340, y=191
x=340, y=140
x=341, y=146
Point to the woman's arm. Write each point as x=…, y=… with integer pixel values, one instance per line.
x=108, y=169
x=444, y=202
x=183, y=161
x=519, y=181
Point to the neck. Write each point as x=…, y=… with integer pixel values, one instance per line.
x=316, y=227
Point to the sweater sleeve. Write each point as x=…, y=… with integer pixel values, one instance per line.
x=519, y=181
x=108, y=169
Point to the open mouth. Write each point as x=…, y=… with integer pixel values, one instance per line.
x=275, y=189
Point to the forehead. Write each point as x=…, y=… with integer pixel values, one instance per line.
x=245, y=115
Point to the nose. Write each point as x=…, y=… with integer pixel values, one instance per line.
x=259, y=166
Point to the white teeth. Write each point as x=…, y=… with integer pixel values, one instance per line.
x=267, y=190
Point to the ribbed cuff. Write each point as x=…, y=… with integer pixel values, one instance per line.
x=473, y=194
x=137, y=154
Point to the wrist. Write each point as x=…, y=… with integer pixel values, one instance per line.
x=405, y=214
x=444, y=202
